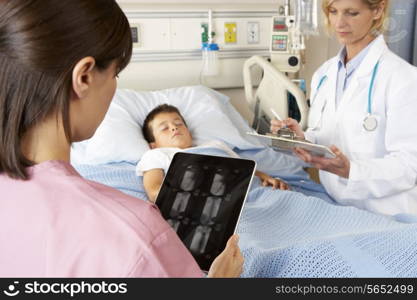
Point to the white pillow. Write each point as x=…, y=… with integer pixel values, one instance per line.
x=119, y=137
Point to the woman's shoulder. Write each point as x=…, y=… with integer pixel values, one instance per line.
x=102, y=221
x=394, y=63
x=78, y=193
x=129, y=208
x=138, y=235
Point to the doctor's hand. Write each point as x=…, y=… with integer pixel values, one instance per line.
x=340, y=165
x=290, y=123
x=229, y=263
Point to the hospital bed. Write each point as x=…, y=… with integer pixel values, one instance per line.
x=272, y=92
x=297, y=233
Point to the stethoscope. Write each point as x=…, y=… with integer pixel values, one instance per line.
x=370, y=122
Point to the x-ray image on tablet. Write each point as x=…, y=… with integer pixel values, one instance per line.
x=202, y=197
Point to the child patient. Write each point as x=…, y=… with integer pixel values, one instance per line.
x=167, y=133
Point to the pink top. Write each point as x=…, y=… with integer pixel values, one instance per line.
x=58, y=224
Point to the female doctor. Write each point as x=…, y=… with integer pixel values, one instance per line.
x=363, y=104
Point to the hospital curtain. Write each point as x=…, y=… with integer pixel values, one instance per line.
x=402, y=29
x=414, y=37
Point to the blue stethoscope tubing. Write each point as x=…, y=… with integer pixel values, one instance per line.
x=370, y=123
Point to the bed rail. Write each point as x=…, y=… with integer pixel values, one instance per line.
x=271, y=92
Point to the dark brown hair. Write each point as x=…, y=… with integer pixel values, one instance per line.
x=41, y=41
x=147, y=128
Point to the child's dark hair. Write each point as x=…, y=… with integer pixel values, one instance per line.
x=163, y=108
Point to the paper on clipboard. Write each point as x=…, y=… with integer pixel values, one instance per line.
x=287, y=145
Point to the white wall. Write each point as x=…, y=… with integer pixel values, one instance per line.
x=170, y=42
x=168, y=54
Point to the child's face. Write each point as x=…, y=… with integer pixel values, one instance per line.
x=169, y=130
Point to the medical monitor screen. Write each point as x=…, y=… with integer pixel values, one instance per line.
x=201, y=198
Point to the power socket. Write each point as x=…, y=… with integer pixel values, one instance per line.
x=230, y=33
x=253, y=32
x=136, y=37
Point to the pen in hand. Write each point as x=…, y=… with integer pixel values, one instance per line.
x=278, y=117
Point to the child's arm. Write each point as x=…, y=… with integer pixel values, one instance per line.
x=152, y=181
x=274, y=182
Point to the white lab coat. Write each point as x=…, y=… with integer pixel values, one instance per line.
x=383, y=163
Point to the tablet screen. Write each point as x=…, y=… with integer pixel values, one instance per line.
x=201, y=198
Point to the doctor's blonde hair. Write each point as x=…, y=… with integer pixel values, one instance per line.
x=379, y=25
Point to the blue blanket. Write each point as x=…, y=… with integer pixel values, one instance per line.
x=292, y=234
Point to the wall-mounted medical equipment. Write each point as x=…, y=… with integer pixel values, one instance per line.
x=210, y=51
x=210, y=54
x=306, y=17
x=288, y=31
x=284, y=56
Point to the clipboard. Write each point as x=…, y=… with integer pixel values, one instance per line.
x=288, y=144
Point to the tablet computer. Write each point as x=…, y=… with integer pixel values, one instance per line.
x=288, y=144
x=202, y=197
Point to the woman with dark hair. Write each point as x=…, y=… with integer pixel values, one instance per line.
x=59, y=61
